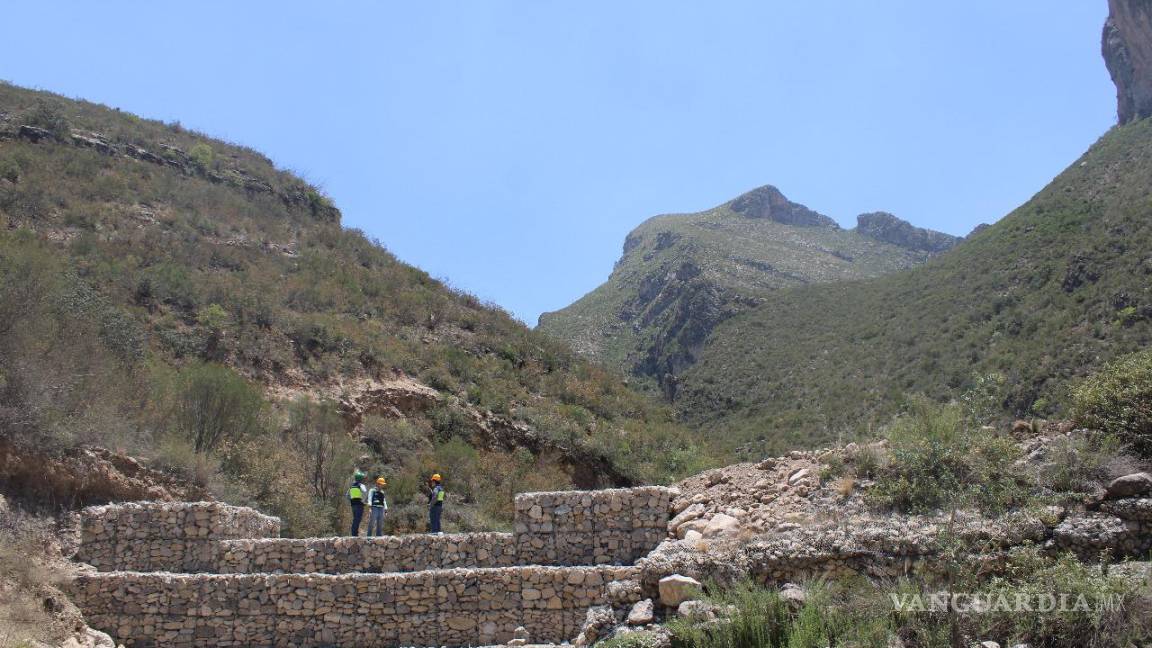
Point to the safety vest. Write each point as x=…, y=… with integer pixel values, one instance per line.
x=356, y=494
x=439, y=494
x=377, y=497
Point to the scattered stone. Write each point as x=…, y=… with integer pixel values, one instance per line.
x=597, y=622
x=622, y=592
x=721, y=524
x=642, y=613
x=794, y=595
x=676, y=589
x=697, y=611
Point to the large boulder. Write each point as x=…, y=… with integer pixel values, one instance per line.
x=676, y=589
x=1134, y=485
x=721, y=525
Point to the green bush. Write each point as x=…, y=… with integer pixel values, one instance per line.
x=1115, y=614
x=202, y=155
x=49, y=115
x=214, y=404
x=9, y=170
x=1118, y=400
x=938, y=460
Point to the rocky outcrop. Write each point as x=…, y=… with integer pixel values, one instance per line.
x=1127, y=48
x=294, y=196
x=768, y=202
x=85, y=476
x=885, y=227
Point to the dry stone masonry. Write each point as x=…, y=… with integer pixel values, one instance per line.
x=366, y=555
x=208, y=574
x=175, y=537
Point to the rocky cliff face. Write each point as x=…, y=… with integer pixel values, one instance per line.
x=1127, y=45
x=883, y=226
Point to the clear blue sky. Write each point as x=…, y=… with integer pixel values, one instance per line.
x=510, y=146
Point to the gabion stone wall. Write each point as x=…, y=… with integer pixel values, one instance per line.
x=162, y=536
x=458, y=607
x=591, y=527
x=366, y=555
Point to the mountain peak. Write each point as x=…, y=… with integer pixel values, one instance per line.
x=886, y=227
x=768, y=202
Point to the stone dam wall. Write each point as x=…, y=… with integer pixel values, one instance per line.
x=456, y=607
x=174, y=537
x=365, y=555
x=215, y=575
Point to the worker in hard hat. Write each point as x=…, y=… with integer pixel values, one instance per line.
x=435, y=502
x=356, y=496
x=377, y=506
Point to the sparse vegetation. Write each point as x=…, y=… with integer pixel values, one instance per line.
x=939, y=459
x=1034, y=298
x=1118, y=400
x=149, y=309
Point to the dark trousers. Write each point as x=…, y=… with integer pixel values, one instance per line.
x=434, y=518
x=357, y=515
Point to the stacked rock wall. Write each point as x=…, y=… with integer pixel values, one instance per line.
x=173, y=537
x=591, y=527
x=457, y=607
x=366, y=555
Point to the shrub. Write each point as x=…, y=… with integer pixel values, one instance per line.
x=9, y=170
x=215, y=404
x=852, y=612
x=1078, y=465
x=202, y=155
x=1118, y=400
x=1115, y=614
x=49, y=115
x=937, y=460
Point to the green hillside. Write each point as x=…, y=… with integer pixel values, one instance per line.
x=1050, y=292
x=180, y=298
x=683, y=274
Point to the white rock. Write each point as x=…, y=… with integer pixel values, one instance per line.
x=676, y=589
x=642, y=613
x=721, y=525
x=798, y=476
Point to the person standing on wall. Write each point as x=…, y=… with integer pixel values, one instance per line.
x=377, y=506
x=356, y=495
x=435, y=503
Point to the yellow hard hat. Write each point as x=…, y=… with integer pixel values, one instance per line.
x=436, y=477
x=381, y=481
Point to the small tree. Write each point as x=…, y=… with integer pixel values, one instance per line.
x=319, y=433
x=215, y=404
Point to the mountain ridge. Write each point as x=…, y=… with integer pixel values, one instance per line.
x=681, y=274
